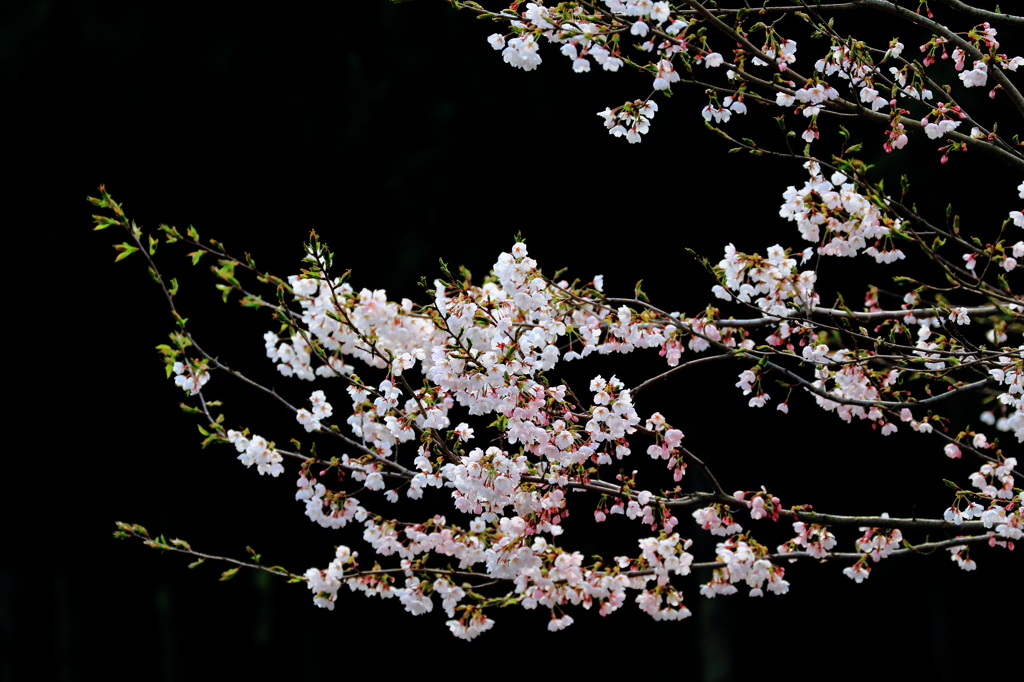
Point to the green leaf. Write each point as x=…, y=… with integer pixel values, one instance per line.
x=638, y=292
x=103, y=222
x=125, y=249
x=229, y=574
x=196, y=563
x=212, y=438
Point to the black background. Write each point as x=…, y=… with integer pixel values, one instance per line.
x=399, y=136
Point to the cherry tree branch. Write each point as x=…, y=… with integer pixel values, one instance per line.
x=985, y=14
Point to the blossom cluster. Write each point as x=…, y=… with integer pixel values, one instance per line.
x=190, y=378
x=484, y=351
x=329, y=511
x=878, y=543
x=841, y=220
x=817, y=540
x=677, y=43
x=256, y=450
x=743, y=562
x=631, y=119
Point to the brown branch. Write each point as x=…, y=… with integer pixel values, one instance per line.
x=985, y=14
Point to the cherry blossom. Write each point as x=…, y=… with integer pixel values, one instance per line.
x=452, y=402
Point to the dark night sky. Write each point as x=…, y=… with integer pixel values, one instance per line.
x=401, y=137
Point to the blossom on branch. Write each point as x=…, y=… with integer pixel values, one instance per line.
x=455, y=403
